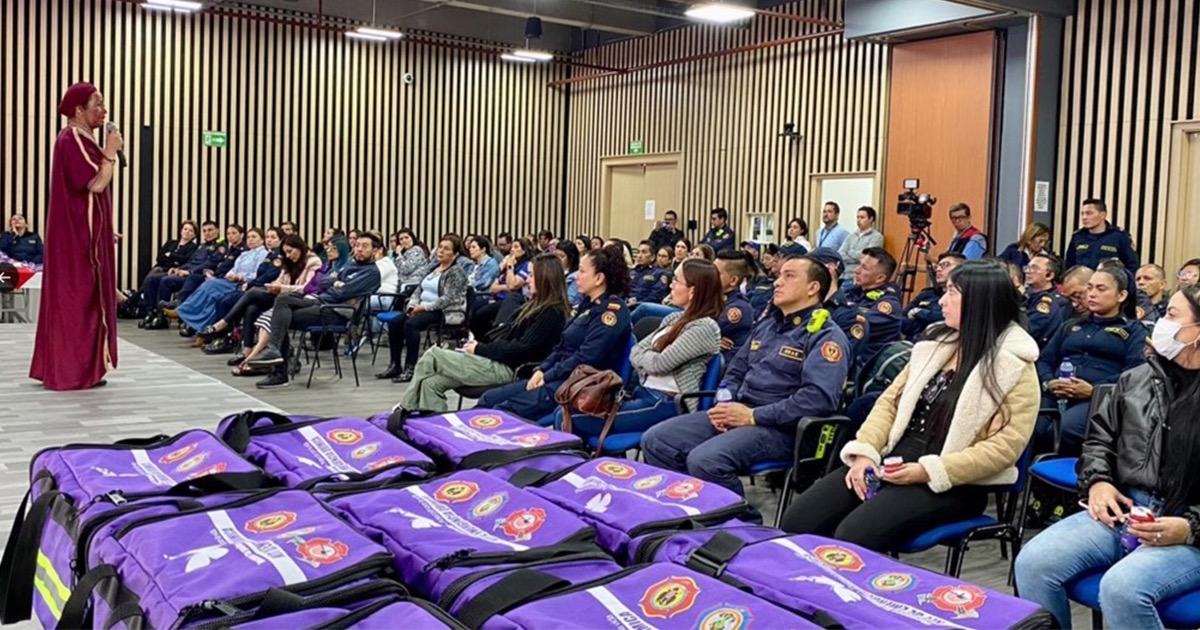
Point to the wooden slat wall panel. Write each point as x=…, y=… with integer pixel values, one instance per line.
x=322, y=129
x=1129, y=72
x=723, y=114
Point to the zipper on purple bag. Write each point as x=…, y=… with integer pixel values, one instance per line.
x=344, y=596
x=450, y=597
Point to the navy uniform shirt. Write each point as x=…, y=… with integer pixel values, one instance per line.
x=1046, y=310
x=24, y=248
x=1099, y=347
x=736, y=322
x=649, y=284
x=231, y=255
x=269, y=270
x=1089, y=249
x=881, y=306
x=852, y=322
x=207, y=256
x=720, y=238
x=1148, y=312
x=598, y=336
x=798, y=364
x=923, y=310
x=760, y=291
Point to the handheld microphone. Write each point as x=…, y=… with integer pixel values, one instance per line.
x=111, y=127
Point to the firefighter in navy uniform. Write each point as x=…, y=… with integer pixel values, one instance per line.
x=235, y=245
x=877, y=299
x=20, y=243
x=852, y=322
x=158, y=289
x=794, y=365
x=268, y=271
x=736, y=322
x=1100, y=345
x=719, y=236
x=1045, y=307
x=925, y=308
x=649, y=284
x=1098, y=239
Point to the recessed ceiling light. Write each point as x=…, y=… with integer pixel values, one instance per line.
x=378, y=32
x=181, y=6
x=518, y=59
x=719, y=12
x=364, y=36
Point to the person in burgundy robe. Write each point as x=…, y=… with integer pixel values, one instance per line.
x=77, y=328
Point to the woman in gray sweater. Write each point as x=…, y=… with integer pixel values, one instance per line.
x=672, y=360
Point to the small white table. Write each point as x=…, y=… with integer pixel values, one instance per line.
x=30, y=297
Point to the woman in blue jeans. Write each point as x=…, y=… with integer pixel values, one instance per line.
x=1139, y=451
x=670, y=361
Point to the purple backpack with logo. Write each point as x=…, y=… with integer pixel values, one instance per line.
x=857, y=588
x=625, y=499
x=646, y=596
x=447, y=528
x=315, y=451
x=204, y=565
x=76, y=488
x=367, y=605
x=503, y=444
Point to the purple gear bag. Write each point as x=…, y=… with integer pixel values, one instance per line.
x=465, y=520
x=859, y=589
x=309, y=452
x=626, y=499
x=501, y=443
x=219, y=560
x=76, y=488
x=367, y=605
x=642, y=597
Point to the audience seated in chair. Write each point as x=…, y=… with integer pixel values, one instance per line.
x=20, y=243
x=601, y=325
x=737, y=319
x=959, y=415
x=513, y=274
x=413, y=260
x=568, y=257
x=199, y=310
x=648, y=283
x=268, y=271
x=171, y=255
x=877, y=299
x=1045, y=307
x=235, y=246
x=158, y=289
x=439, y=299
x=925, y=309
x=670, y=361
x=339, y=294
x=1139, y=451
x=793, y=365
x=1100, y=346
x=484, y=268
x=527, y=337
x=297, y=268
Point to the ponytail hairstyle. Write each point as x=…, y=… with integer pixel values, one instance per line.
x=1124, y=281
x=707, y=299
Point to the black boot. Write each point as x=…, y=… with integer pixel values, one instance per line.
x=392, y=371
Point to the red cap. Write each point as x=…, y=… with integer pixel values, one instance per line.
x=77, y=96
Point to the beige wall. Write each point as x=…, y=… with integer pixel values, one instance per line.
x=723, y=115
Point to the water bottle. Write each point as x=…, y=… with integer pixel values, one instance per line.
x=724, y=395
x=872, y=482
x=1066, y=372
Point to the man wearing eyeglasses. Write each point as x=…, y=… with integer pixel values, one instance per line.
x=1044, y=306
x=926, y=308
x=968, y=240
x=1189, y=274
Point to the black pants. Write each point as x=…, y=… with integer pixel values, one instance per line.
x=486, y=317
x=296, y=311
x=249, y=307
x=893, y=517
x=409, y=328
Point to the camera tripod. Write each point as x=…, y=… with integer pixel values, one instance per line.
x=915, y=247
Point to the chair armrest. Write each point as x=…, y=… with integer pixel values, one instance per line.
x=525, y=370
x=397, y=299
x=681, y=408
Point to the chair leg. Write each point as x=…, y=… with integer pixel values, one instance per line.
x=312, y=368
x=785, y=499
x=1097, y=619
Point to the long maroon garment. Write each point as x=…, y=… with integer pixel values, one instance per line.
x=77, y=326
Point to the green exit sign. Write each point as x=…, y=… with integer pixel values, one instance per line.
x=636, y=147
x=217, y=139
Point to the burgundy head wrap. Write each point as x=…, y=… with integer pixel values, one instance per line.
x=77, y=96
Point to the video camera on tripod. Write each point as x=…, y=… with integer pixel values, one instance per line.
x=918, y=208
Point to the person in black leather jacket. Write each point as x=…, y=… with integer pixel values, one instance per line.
x=1139, y=451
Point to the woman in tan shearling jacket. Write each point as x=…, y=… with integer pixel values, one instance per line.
x=959, y=415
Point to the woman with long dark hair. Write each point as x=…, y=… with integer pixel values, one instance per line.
x=682, y=248
x=583, y=242
x=568, y=256
x=531, y=334
x=1099, y=346
x=1139, y=452
x=958, y=416
x=600, y=326
x=507, y=291
x=670, y=361
x=413, y=260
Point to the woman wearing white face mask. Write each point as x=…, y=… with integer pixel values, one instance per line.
x=1139, y=451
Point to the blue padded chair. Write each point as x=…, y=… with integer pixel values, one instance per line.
x=1181, y=611
x=958, y=535
x=624, y=369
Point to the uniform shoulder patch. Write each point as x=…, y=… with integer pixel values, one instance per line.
x=885, y=307
x=609, y=318
x=614, y=306
x=734, y=314
x=831, y=352
x=857, y=331
x=278, y=262
x=1043, y=307
x=664, y=279
x=1141, y=313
